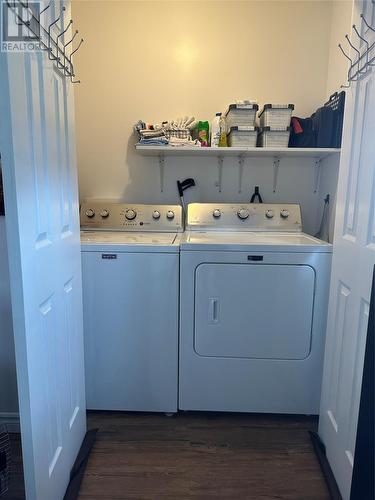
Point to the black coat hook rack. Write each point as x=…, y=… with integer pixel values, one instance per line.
x=361, y=64
x=54, y=45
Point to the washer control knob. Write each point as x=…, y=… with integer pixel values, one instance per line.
x=284, y=214
x=269, y=214
x=243, y=213
x=130, y=214
x=216, y=213
x=170, y=214
x=90, y=213
x=156, y=214
x=104, y=213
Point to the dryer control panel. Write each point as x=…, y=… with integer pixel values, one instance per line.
x=244, y=217
x=112, y=216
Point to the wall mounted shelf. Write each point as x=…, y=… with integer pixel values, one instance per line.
x=276, y=154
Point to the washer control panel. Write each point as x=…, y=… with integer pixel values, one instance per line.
x=244, y=217
x=112, y=216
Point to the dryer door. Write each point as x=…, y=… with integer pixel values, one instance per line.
x=254, y=310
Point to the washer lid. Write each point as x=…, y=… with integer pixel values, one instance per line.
x=248, y=241
x=125, y=242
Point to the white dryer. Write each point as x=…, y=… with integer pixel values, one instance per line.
x=254, y=294
x=130, y=263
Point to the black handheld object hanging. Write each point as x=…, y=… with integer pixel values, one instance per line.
x=183, y=185
x=256, y=196
x=2, y=206
x=323, y=228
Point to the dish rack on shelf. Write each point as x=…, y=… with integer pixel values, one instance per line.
x=181, y=133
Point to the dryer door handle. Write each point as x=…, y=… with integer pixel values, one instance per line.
x=213, y=310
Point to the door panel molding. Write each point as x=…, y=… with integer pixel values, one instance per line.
x=353, y=261
x=43, y=235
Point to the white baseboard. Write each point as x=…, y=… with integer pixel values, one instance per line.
x=11, y=420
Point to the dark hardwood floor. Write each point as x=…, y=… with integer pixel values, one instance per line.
x=202, y=456
x=16, y=489
x=195, y=456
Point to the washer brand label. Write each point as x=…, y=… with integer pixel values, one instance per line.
x=109, y=256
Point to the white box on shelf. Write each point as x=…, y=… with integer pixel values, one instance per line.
x=276, y=115
x=277, y=137
x=241, y=115
x=242, y=136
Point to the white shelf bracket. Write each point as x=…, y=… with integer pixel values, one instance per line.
x=318, y=168
x=276, y=166
x=241, y=161
x=220, y=161
x=161, y=171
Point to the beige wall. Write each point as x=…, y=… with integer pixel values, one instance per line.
x=158, y=60
x=337, y=64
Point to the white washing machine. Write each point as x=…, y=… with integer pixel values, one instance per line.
x=254, y=294
x=130, y=261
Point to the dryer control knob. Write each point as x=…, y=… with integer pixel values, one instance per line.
x=90, y=213
x=104, y=213
x=284, y=214
x=243, y=213
x=170, y=214
x=156, y=214
x=130, y=214
x=269, y=214
x=216, y=213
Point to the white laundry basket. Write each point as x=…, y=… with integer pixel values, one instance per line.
x=277, y=137
x=276, y=115
x=243, y=136
x=241, y=115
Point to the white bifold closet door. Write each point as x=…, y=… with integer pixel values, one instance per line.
x=40, y=180
x=352, y=268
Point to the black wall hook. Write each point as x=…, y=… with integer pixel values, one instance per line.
x=183, y=185
x=70, y=61
x=44, y=10
x=256, y=196
x=72, y=39
x=50, y=51
x=366, y=53
x=366, y=23
x=56, y=20
x=63, y=50
x=356, y=50
x=77, y=48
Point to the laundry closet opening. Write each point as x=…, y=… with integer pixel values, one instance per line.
x=250, y=332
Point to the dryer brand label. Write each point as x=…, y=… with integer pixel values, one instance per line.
x=109, y=256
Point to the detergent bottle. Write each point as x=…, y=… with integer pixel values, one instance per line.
x=203, y=133
x=223, y=133
x=215, y=131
